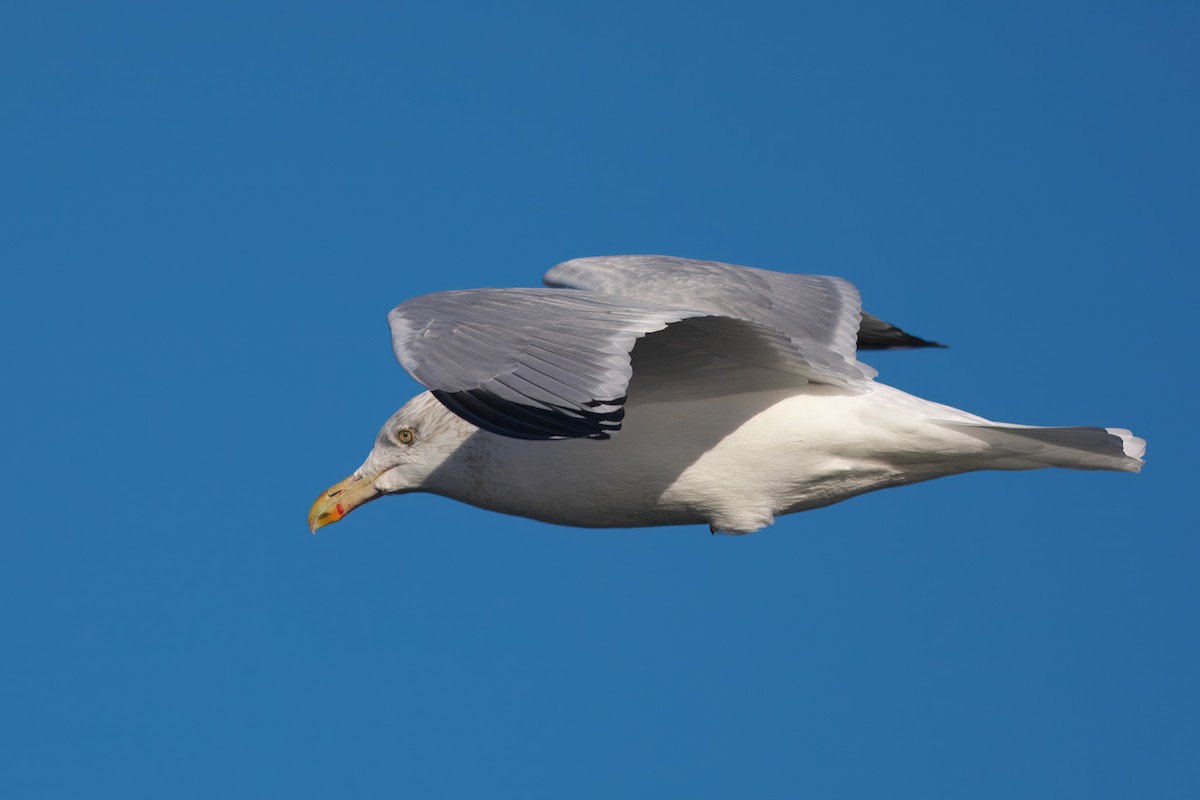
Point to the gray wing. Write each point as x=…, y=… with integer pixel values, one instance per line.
x=551, y=364
x=814, y=308
x=818, y=313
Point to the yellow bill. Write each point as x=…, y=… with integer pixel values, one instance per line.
x=340, y=499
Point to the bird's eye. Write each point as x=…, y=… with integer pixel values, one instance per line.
x=405, y=435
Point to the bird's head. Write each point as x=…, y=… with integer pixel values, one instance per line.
x=414, y=442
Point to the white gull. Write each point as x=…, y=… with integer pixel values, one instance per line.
x=651, y=390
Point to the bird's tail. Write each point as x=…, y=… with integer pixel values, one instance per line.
x=1030, y=447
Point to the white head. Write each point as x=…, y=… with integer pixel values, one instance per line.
x=414, y=442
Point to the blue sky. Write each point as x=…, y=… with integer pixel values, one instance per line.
x=209, y=210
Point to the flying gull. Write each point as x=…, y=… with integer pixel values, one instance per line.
x=650, y=390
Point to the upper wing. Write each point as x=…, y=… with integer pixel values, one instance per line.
x=816, y=308
x=549, y=364
x=817, y=312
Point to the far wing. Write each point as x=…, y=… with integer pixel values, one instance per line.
x=550, y=364
x=819, y=314
x=816, y=308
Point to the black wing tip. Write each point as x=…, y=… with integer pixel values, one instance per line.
x=875, y=334
x=518, y=421
x=908, y=342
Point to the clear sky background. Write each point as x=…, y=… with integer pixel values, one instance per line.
x=208, y=210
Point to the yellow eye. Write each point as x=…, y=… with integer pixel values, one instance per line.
x=405, y=435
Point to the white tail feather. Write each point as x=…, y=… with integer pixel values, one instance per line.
x=1030, y=447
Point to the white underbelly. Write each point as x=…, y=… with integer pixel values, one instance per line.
x=732, y=461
